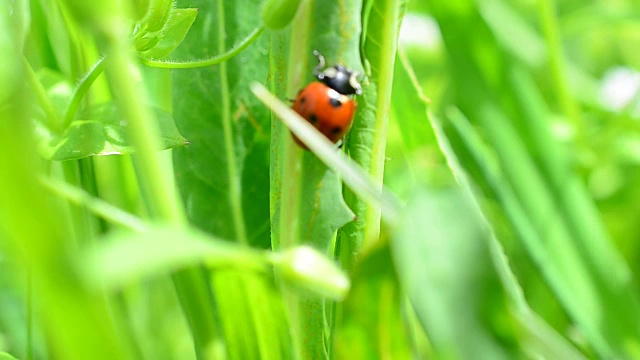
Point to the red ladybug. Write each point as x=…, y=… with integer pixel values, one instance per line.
x=328, y=103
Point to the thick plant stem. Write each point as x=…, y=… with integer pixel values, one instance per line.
x=144, y=133
x=191, y=284
x=367, y=143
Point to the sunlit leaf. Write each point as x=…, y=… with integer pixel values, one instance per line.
x=173, y=33
x=104, y=134
x=6, y=356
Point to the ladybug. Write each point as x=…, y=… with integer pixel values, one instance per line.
x=328, y=104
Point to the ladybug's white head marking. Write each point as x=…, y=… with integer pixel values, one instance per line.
x=337, y=77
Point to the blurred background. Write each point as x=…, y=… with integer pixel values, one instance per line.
x=513, y=144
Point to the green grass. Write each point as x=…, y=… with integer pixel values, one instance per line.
x=154, y=206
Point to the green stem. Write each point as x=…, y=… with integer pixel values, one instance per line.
x=144, y=132
x=385, y=50
x=367, y=144
x=218, y=59
x=81, y=90
x=190, y=284
x=53, y=121
x=235, y=190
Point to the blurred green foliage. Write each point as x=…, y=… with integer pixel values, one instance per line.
x=506, y=129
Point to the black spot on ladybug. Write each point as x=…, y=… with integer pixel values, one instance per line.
x=335, y=102
x=303, y=100
x=313, y=119
x=336, y=130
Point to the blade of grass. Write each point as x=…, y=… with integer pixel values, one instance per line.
x=543, y=338
x=352, y=174
x=485, y=94
x=538, y=338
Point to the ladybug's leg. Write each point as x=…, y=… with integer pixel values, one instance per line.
x=355, y=84
x=294, y=100
x=321, y=63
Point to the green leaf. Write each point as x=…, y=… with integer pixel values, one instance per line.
x=58, y=87
x=536, y=338
x=105, y=134
x=556, y=220
x=173, y=33
x=223, y=176
x=417, y=159
x=6, y=356
x=276, y=14
x=372, y=324
x=444, y=265
x=158, y=14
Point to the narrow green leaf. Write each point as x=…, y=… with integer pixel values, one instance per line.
x=126, y=257
x=500, y=15
x=352, y=174
x=106, y=133
x=536, y=337
x=173, y=33
x=561, y=231
x=444, y=265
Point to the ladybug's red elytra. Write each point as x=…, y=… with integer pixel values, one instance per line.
x=328, y=104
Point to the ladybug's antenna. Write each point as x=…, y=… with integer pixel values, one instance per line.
x=321, y=63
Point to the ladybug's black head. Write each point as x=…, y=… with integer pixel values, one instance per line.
x=337, y=77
